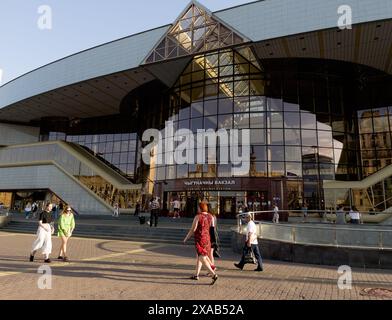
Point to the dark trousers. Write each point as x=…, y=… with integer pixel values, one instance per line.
x=256, y=252
x=154, y=216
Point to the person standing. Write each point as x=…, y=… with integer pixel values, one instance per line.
x=116, y=211
x=214, y=239
x=176, y=208
x=27, y=210
x=66, y=226
x=34, y=209
x=137, y=209
x=276, y=214
x=305, y=212
x=201, y=231
x=55, y=211
x=154, y=212
x=44, y=235
x=355, y=216
x=340, y=216
x=251, y=244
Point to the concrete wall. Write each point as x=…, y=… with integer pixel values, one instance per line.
x=14, y=134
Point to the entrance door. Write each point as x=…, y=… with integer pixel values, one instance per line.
x=228, y=207
x=258, y=201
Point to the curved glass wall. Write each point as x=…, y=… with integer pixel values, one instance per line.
x=299, y=126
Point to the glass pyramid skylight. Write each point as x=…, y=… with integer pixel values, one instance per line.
x=195, y=32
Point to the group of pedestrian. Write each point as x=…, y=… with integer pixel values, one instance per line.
x=65, y=226
x=354, y=214
x=204, y=231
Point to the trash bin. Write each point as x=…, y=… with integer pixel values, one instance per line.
x=142, y=220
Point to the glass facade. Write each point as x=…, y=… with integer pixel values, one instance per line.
x=303, y=125
x=375, y=127
x=119, y=150
x=309, y=121
x=196, y=31
x=75, y=167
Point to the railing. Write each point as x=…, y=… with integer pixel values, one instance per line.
x=105, y=183
x=371, y=237
x=102, y=159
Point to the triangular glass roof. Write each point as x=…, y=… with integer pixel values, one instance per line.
x=195, y=31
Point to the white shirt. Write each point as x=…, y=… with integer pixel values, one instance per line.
x=251, y=228
x=355, y=215
x=276, y=210
x=176, y=204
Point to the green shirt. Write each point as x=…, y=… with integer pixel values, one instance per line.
x=65, y=225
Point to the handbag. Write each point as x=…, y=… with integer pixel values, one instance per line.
x=250, y=257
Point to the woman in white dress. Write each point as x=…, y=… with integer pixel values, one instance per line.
x=44, y=235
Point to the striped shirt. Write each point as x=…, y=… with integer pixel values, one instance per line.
x=154, y=205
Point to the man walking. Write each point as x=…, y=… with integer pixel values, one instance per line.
x=176, y=208
x=154, y=207
x=276, y=214
x=251, y=244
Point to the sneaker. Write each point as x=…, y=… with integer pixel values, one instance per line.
x=259, y=270
x=48, y=261
x=31, y=258
x=237, y=265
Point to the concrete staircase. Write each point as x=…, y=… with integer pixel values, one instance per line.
x=123, y=230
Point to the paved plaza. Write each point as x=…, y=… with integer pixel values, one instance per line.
x=121, y=270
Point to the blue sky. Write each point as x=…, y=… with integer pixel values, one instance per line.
x=77, y=25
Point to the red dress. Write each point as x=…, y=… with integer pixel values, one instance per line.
x=202, y=234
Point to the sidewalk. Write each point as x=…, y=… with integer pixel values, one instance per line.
x=122, y=270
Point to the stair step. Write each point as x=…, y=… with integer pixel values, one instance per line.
x=156, y=236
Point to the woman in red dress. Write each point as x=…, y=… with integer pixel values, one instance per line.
x=201, y=231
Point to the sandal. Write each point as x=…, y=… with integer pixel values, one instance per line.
x=196, y=278
x=214, y=278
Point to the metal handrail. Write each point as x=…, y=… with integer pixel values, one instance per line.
x=326, y=211
x=294, y=230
